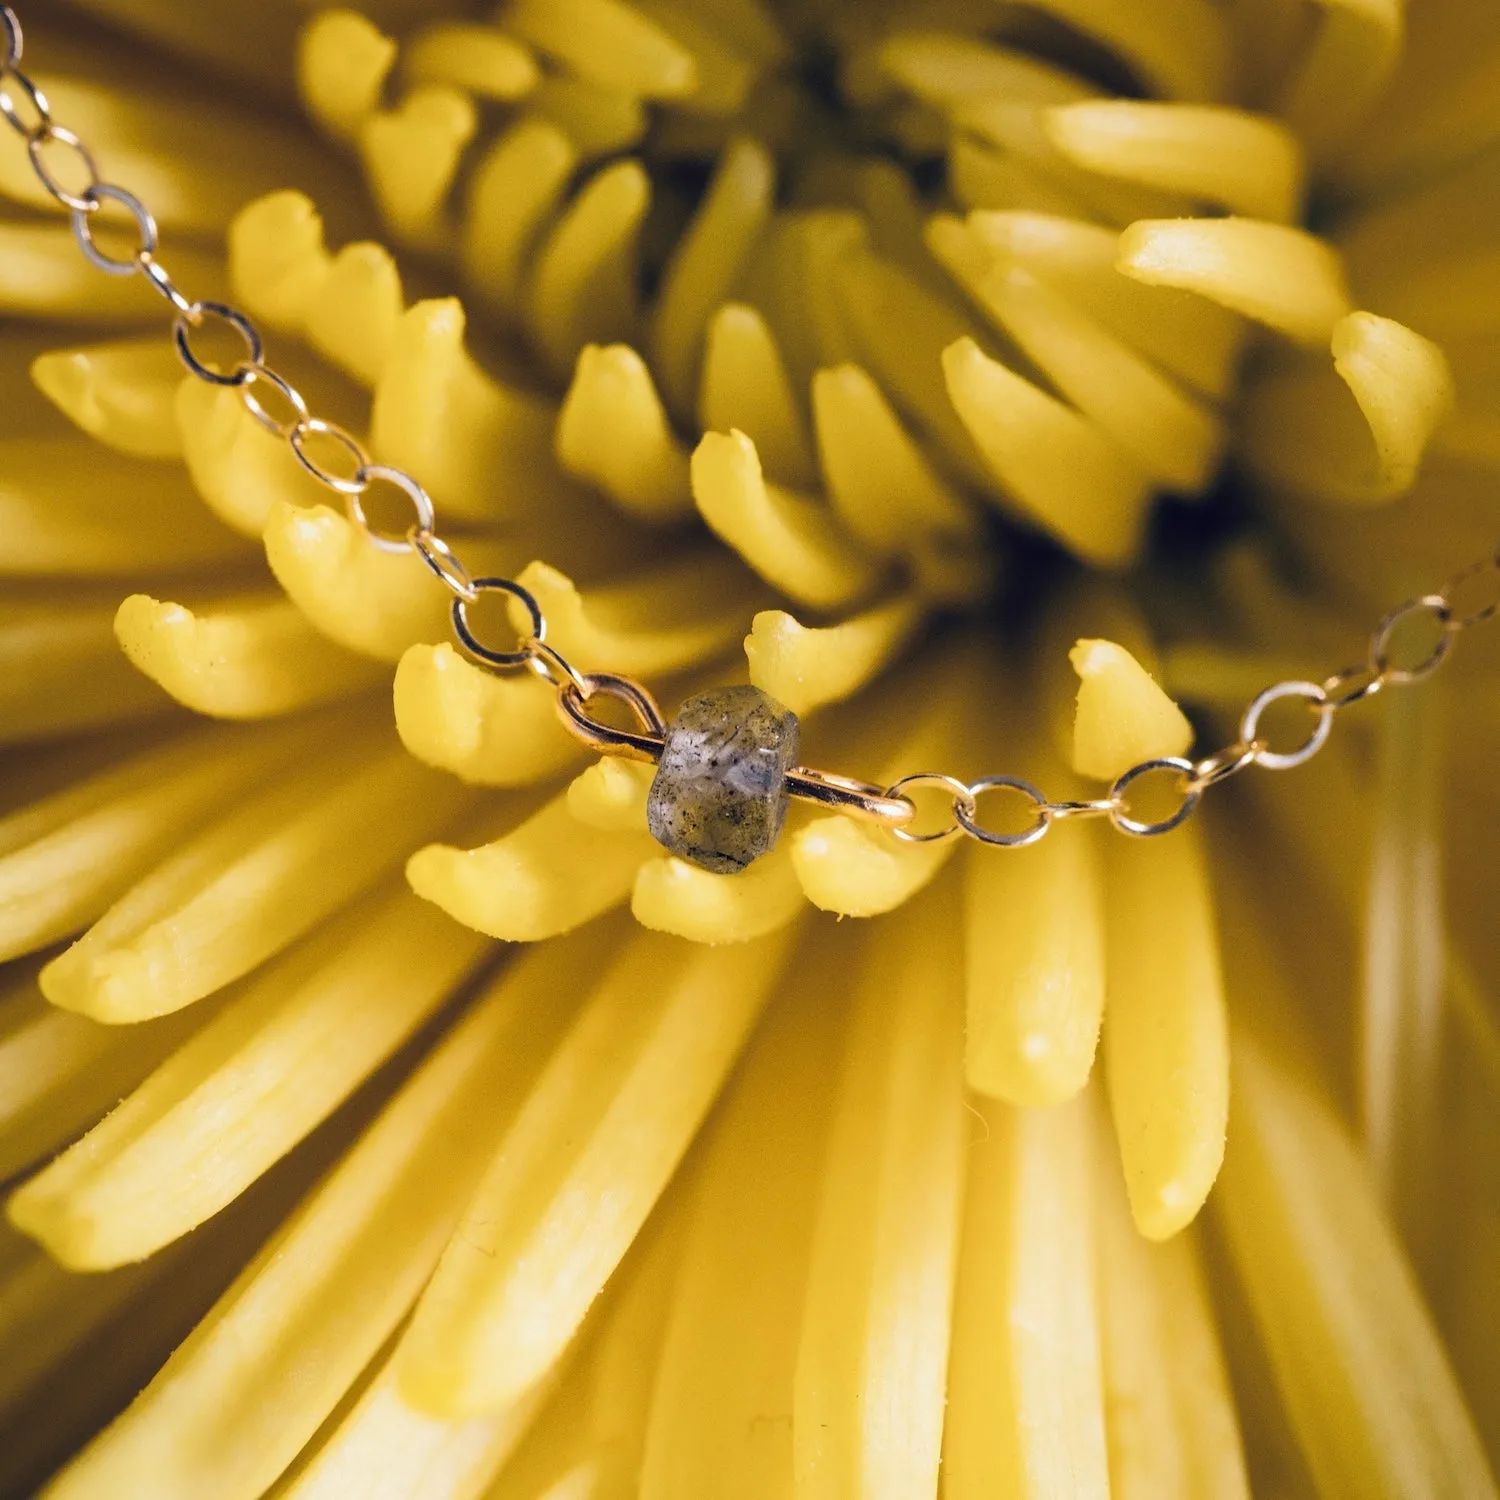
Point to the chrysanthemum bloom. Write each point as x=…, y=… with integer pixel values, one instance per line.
x=1010, y=372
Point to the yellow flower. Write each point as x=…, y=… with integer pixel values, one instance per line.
x=1009, y=373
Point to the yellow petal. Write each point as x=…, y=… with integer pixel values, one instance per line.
x=131, y=516
x=257, y=1377
x=590, y=1153
x=868, y=1396
x=1026, y=1399
x=482, y=450
x=606, y=42
x=708, y=259
x=745, y=386
x=613, y=432
x=1355, y=48
x=1249, y=164
x=251, y=883
x=1166, y=1036
x=342, y=63
x=1123, y=717
x=480, y=59
x=237, y=659
x=550, y=875
x=791, y=540
x=411, y=156
x=1283, y=277
x=123, y=393
x=1060, y=469
x=598, y=121
x=264, y=1072
x=583, y=284
x=673, y=896
x=879, y=481
x=487, y=729
x=611, y=794
x=730, y=1346
x=1304, y=433
x=806, y=667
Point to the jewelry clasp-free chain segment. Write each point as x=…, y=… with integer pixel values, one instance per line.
x=727, y=762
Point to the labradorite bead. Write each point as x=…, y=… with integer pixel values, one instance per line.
x=719, y=797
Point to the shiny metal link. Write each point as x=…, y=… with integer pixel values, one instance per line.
x=572, y=704
x=476, y=648
x=35, y=99
x=264, y=376
x=10, y=24
x=1352, y=685
x=1310, y=693
x=421, y=503
x=1042, y=812
x=963, y=803
x=1433, y=606
x=1229, y=761
x=83, y=202
x=156, y=273
x=1140, y=828
x=145, y=224
x=444, y=562
x=1465, y=610
x=193, y=318
x=311, y=427
x=553, y=667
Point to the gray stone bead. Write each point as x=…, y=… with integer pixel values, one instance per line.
x=719, y=797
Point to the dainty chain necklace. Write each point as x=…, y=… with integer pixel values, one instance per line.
x=727, y=764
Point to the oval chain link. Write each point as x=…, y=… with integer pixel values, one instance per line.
x=1469, y=596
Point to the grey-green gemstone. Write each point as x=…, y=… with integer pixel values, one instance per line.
x=719, y=797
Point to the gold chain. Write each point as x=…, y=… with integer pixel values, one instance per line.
x=1469, y=596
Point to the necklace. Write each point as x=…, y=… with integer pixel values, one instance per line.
x=727, y=764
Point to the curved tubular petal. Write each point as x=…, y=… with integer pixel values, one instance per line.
x=732, y=1327
x=611, y=794
x=43, y=276
x=1361, y=1370
x=1353, y=54
x=745, y=386
x=265, y=1071
x=1194, y=339
x=671, y=895
x=1061, y=470
x=1034, y=968
x=948, y=71
x=376, y=603
x=251, y=884
x=1170, y=434
x=806, y=667
x=900, y=329
x=239, y=470
x=1026, y=1392
x=1282, y=277
x=288, y=1340
x=591, y=1152
x=1166, y=1041
x=65, y=859
x=792, y=541
x=1122, y=717
x=706, y=264
x=547, y=876
x=122, y=392
x=1173, y=1428
x=343, y=60
x=411, y=156
x=608, y=43
x=597, y=121
x=868, y=1397
x=481, y=59
x=482, y=450
x=516, y=187
x=60, y=1073
x=880, y=483
x=346, y=305
x=250, y=657
x=120, y=515
x=612, y=432
x=650, y=623
x=582, y=285
x=1243, y=161
x=61, y=670
x=488, y=730
x=593, y=1428
x=1302, y=431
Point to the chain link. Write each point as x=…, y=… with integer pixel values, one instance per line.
x=1468, y=597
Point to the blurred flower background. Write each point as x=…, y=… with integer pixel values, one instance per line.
x=388, y=1116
